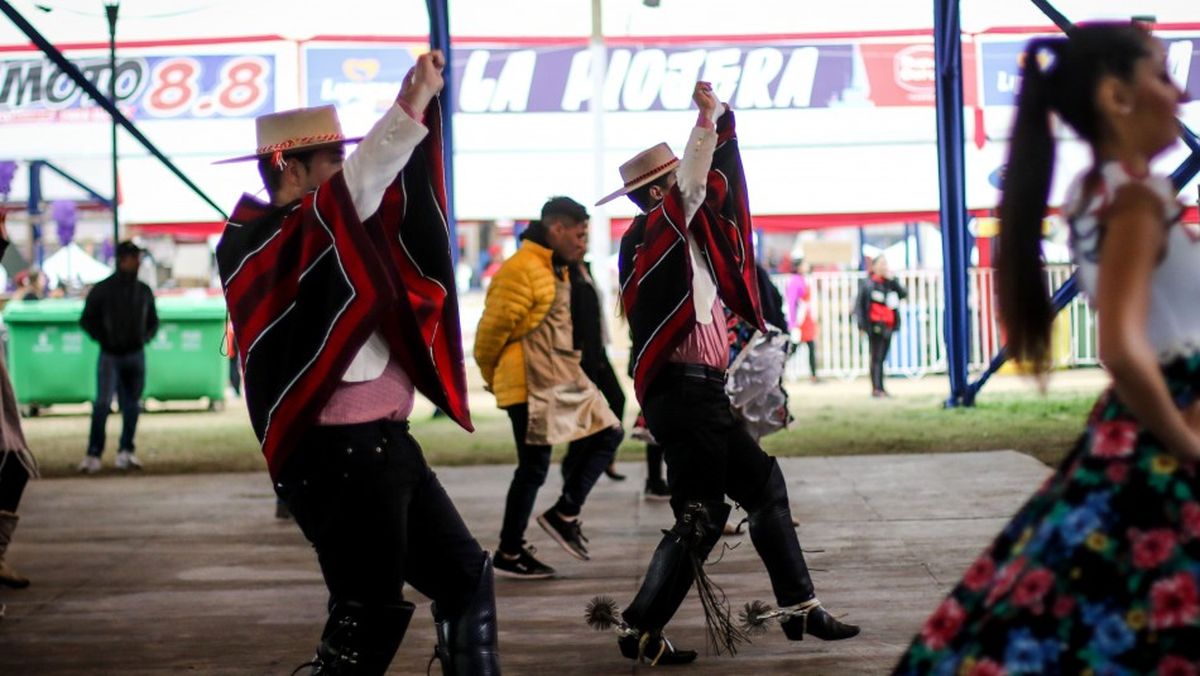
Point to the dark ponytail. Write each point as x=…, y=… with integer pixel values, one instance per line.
x=1061, y=75
x=1024, y=300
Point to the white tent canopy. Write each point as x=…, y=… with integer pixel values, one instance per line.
x=72, y=265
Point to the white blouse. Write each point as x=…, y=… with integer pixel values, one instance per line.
x=1173, y=320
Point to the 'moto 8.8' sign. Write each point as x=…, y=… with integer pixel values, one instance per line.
x=208, y=86
x=162, y=87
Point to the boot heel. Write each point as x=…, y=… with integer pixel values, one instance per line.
x=794, y=628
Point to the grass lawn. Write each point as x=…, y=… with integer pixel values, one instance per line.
x=831, y=419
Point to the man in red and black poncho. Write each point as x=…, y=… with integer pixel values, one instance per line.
x=685, y=256
x=342, y=300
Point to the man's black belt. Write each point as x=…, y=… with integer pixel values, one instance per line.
x=696, y=371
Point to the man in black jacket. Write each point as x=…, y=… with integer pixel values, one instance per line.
x=119, y=315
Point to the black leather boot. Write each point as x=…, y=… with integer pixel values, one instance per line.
x=774, y=537
x=467, y=642
x=668, y=579
x=818, y=622
x=361, y=640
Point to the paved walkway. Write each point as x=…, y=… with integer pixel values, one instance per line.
x=157, y=575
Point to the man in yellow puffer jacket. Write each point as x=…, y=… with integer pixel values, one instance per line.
x=524, y=347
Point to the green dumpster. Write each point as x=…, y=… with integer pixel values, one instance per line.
x=50, y=358
x=185, y=360
x=53, y=361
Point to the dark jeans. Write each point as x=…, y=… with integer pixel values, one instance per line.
x=587, y=450
x=709, y=453
x=13, y=477
x=879, y=337
x=378, y=517
x=126, y=374
x=585, y=462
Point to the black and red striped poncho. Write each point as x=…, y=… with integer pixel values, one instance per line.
x=656, y=270
x=308, y=283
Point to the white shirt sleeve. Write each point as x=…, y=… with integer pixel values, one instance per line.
x=382, y=154
x=692, y=173
x=692, y=177
x=368, y=171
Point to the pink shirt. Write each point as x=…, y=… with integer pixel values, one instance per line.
x=388, y=397
x=707, y=344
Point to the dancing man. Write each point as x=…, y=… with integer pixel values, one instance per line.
x=689, y=252
x=342, y=298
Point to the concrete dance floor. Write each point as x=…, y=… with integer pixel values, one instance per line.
x=157, y=575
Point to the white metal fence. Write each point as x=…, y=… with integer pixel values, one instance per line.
x=919, y=346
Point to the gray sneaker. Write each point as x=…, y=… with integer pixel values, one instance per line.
x=89, y=465
x=127, y=460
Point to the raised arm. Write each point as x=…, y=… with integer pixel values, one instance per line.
x=698, y=155
x=1133, y=242
x=387, y=147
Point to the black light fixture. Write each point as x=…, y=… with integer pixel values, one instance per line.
x=651, y=3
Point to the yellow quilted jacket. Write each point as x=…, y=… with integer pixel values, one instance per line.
x=518, y=299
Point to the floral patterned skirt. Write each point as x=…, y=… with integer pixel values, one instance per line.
x=1098, y=573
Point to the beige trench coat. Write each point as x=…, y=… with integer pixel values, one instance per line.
x=564, y=404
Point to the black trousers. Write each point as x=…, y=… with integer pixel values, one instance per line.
x=582, y=467
x=879, y=337
x=709, y=453
x=605, y=379
x=13, y=477
x=378, y=517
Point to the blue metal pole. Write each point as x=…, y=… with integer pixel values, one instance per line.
x=862, y=245
x=948, y=63
x=34, y=208
x=439, y=38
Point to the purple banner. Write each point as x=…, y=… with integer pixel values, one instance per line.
x=355, y=76
x=648, y=77
x=1001, y=69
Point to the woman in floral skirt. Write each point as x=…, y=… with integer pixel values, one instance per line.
x=1100, y=571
